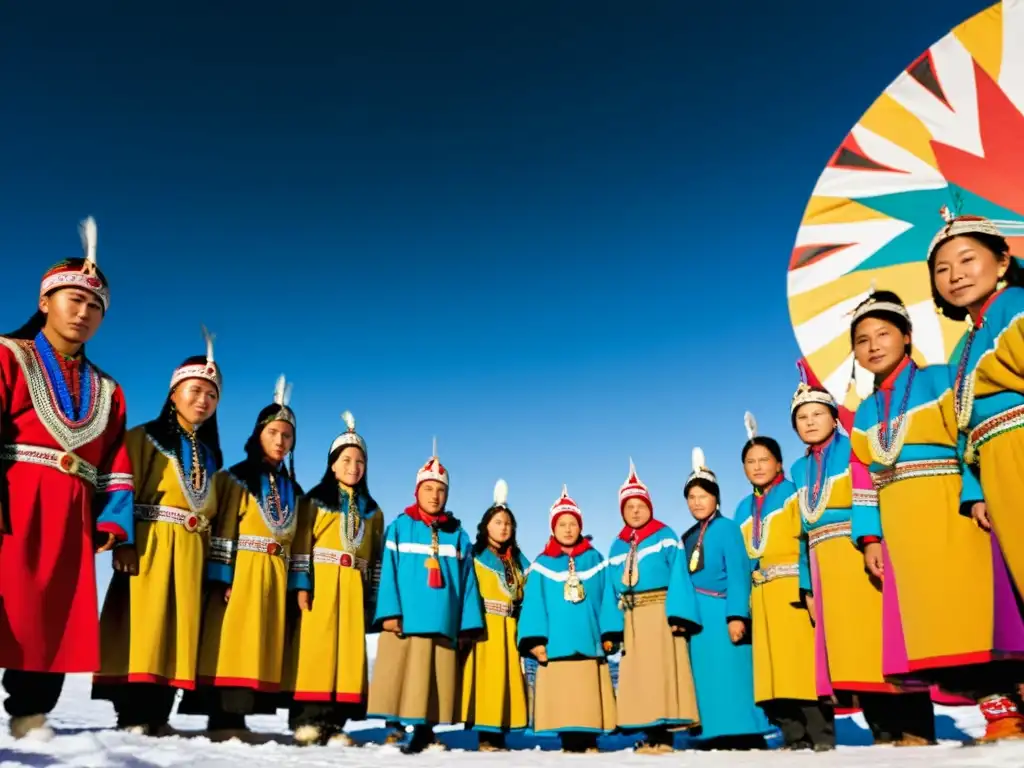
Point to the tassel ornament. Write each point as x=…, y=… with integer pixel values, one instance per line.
x=435, y=580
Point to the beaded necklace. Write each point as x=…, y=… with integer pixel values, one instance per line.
x=963, y=388
x=814, y=498
x=58, y=383
x=887, y=439
x=278, y=516
x=698, y=548
x=197, y=476
x=352, y=530
x=631, y=573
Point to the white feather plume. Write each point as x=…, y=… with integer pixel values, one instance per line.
x=350, y=420
x=500, y=493
x=632, y=467
x=698, y=459
x=434, y=449
x=872, y=287
x=282, y=391
x=565, y=491
x=750, y=423
x=209, y=344
x=87, y=229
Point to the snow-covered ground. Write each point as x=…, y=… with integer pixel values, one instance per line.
x=85, y=738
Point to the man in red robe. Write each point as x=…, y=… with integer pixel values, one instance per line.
x=65, y=489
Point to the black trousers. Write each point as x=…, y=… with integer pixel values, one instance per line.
x=145, y=704
x=891, y=717
x=803, y=723
x=327, y=715
x=31, y=693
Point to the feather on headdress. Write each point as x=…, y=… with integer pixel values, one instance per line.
x=501, y=494
x=750, y=423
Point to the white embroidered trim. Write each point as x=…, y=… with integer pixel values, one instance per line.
x=68, y=436
x=564, y=575
x=642, y=553
x=337, y=557
x=444, y=550
x=103, y=482
x=748, y=532
x=67, y=463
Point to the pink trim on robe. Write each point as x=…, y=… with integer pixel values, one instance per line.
x=822, y=673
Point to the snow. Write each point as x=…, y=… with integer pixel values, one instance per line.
x=85, y=738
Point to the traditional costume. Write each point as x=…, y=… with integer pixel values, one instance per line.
x=655, y=687
x=259, y=553
x=493, y=688
x=561, y=611
x=428, y=582
x=65, y=487
x=713, y=563
x=782, y=631
x=150, y=623
x=983, y=402
x=328, y=665
x=906, y=495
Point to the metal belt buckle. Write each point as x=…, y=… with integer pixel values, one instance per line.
x=68, y=463
x=273, y=548
x=345, y=561
x=195, y=523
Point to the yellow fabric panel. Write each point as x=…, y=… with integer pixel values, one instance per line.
x=1002, y=477
x=939, y=559
x=149, y=627
x=1000, y=370
x=852, y=616
x=838, y=210
x=911, y=280
x=783, y=642
x=982, y=36
x=891, y=120
x=860, y=447
x=780, y=536
x=927, y=426
x=842, y=493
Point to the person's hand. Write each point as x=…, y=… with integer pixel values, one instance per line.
x=126, y=560
x=227, y=594
x=303, y=599
x=392, y=625
x=108, y=544
x=812, y=610
x=737, y=629
x=873, y=560
x=540, y=653
x=979, y=514
x=679, y=631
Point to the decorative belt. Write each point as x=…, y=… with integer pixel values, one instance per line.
x=708, y=592
x=630, y=601
x=339, y=558
x=773, y=572
x=263, y=545
x=62, y=461
x=1002, y=423
x=501, y=608
x=190, y=521
x=829, y=531
x=906, y=470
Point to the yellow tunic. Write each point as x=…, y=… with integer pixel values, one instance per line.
x=493, y=686
x=328, y=647
x=242, y=642
x=783, y=636
x=149, y=628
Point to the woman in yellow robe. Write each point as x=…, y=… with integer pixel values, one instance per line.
x=493, y=685
x=149, y=627
x=327, y=673
x=256, y=557
x=782, y=632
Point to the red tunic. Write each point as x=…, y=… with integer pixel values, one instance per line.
x=48, y=606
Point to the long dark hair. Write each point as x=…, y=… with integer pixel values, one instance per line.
x=31, y=327
x=483, y=540
x=769, y=443
x=998, y=246
x=327, y=492
x=251, y=467
x=165, y=429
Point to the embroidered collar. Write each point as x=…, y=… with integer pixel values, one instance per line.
x=649, y=528
x=554, y=549
x=980, y=321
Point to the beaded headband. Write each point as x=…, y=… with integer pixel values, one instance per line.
x=962, y=225
x=805, y=394
x=700, y=470
x=208, y=371
x=349, y=436
x=87, y=278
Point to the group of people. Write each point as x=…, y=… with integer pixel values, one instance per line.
x=883, y=572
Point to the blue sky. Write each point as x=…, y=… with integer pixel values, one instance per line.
x=552, y=238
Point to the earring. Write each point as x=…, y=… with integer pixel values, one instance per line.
x=1002, y=281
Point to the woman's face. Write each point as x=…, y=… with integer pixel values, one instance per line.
x=350, y=466
x=879, y=346
x=499, y=528
x=277, y=439
x=431, y=496
x=195, y=400
x=701, y=503
x=72, y=313
x=966, y=271
x=567, y=530
x=761, y=467
x=815, y=423
x=636, y=513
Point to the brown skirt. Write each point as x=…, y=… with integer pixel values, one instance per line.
x=574, y=695
x=655, y=681
x=414, y=680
